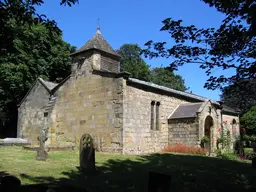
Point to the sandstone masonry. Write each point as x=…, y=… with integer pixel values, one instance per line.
x=122, y=114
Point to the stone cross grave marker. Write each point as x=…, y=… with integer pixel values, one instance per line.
x=87, y=154
x=42, y=155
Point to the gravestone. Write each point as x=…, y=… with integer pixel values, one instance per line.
x=87, y=154
x=158, y=182
x=14, y=141
x=42, y=155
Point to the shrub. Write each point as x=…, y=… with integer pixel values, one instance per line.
x=227, y=156
x=249, y=121
x=249, y=154
x=238, y=146
x=205, y=139
x=251, y=138
x=181, y=148
x=224, y=142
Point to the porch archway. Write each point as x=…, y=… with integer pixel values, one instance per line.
x=208, y=133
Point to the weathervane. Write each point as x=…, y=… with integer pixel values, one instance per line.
x=98, y=28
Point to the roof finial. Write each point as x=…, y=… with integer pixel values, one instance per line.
x=98, y=27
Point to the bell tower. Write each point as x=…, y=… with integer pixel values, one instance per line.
x=95, y=54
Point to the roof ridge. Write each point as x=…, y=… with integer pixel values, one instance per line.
x=168, y=89
x=48, y=84
x=49, y=81
x=195, y=103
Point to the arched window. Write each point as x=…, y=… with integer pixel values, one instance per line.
x=152, y=115
x=157, y=115
x=233, y=124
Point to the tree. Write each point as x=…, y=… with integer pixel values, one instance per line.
x=240, y=96
x=32, y=49
x=249, y=121
x=231, y=46
x=16, y=13
x=132, y=62
x=36, y=53
x=165, y=76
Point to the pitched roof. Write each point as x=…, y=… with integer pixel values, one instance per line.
x=230, y=110
x=181, y=93
x=187, y=110
x=49, y=86
x=173, y=91
x=97, y=42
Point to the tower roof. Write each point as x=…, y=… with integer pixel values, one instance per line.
x=97, y=42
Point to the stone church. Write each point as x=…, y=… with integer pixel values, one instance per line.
x=122, y=114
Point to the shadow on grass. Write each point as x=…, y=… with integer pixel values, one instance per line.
x=189, y=173
x=3, y=173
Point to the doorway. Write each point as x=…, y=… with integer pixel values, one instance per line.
x=208, y=133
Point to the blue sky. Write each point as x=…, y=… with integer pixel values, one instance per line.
x=135, y=21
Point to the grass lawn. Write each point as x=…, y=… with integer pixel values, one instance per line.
x=129, y=173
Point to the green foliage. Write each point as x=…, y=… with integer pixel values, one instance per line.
x=251, y=138
x=240, y=96
x=227, y=156
x=30, y=48
x=165, y=76
x=68, y=2
x=249, y=154
x=238, y=148
x=192, y=172
x=132, y=62
x=232, y=45
x=17, y=13
x=205, y=139
x=249, y=121
x=224, y=142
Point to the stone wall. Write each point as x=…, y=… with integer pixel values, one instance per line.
x=208, y=110
x=183, y=131
x=137, y=134
x=30, y=115
x=232, y=123
x=84, y=63
x=89, y=104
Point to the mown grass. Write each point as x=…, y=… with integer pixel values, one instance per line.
x=117, y=172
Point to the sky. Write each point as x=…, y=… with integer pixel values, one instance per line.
x=135, y=21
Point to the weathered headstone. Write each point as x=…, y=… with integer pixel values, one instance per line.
x=87, y=154
x=14, y=141
x=42, y=155
x=158, y=182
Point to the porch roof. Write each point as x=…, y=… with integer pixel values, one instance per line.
x=187, y=110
